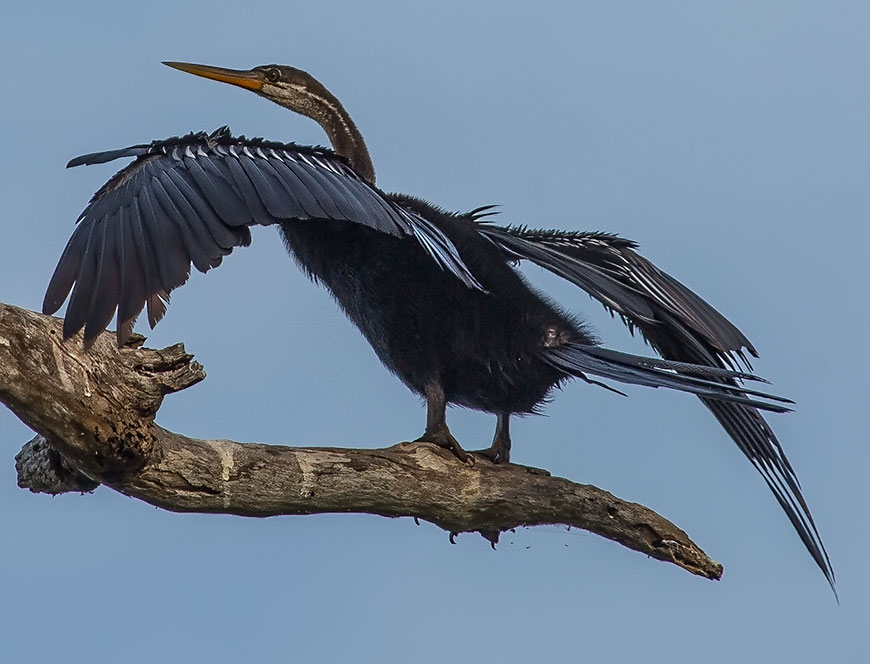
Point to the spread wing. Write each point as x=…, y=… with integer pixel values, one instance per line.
x=681, y=327
x=192, y=200
x=606, y=267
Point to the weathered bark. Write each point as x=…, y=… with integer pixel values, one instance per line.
x=96, y=411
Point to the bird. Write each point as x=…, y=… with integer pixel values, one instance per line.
x=436, y=294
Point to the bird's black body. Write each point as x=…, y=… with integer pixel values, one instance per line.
x=435, y=294
x=482, y=346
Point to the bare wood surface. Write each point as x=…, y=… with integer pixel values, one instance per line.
x=94, y=413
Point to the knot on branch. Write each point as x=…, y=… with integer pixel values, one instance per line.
x=172, y=368
x=42, y=469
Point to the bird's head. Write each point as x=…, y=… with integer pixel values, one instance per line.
x=292, y=88
x=300, y=92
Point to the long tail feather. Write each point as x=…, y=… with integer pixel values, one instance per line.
x=578, y=360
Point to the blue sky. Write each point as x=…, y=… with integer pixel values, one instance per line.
x=731, y=140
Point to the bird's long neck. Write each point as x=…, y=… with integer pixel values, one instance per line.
x=346, y=139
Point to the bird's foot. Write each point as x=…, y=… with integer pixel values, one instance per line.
x=498, y=452
x=443, y=438
x=494, y=453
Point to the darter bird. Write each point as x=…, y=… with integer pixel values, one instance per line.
x=436, y=294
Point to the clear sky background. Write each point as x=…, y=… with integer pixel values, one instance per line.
x=730, y=139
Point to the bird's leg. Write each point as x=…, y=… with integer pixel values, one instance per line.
x=500, y=450
x=436, y=423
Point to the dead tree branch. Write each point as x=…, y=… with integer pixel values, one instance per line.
x=95, y=411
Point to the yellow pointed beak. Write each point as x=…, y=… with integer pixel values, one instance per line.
x=250, y=79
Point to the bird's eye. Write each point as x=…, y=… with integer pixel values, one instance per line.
x=272, y=75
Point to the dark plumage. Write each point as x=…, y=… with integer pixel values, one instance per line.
x=498, y=350
x=681, y=327
x=191, y=199
x=434, y=293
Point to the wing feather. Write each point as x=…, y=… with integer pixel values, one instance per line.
x=169, y=216
x=107, y=282
x=199, y=209
x=76, y=311
x=308, y=204
x=136, y=278
x=173, y=262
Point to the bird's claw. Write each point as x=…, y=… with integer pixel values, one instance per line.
x=443, y=438
x=494, y=454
